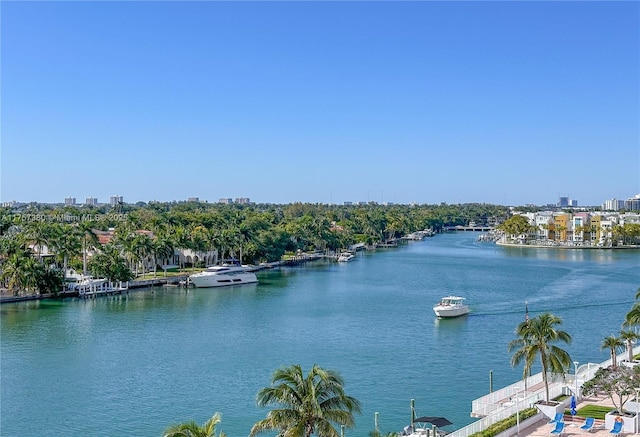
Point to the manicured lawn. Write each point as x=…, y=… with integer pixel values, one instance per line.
x=595, y=411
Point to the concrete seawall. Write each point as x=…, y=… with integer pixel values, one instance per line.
x=565, y=246
x=143, y=283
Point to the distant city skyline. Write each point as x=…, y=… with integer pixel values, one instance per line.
x=614, y=203
x=507, y=103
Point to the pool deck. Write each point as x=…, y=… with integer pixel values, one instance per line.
x=572, y=424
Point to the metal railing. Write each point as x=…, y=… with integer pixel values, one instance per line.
x=505, y=402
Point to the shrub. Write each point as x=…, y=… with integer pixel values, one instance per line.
x=505, y=424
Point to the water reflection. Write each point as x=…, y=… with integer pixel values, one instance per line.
x=550, y=253
x=454, y=324
x=372, y=320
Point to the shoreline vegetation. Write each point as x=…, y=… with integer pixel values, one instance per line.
x=40, y=245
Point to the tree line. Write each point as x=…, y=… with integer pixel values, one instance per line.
x=250, y=233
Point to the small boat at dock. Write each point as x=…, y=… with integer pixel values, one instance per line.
x=451, y=306
x=346, y=257
x=425, y=426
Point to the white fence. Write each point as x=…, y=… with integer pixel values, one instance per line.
x=504, y=402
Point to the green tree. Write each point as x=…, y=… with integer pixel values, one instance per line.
x=38, y=233
x=615, y=345
x=67, y=243
x=192, y=429
x=536, y=339
x=89, y=241
x=517, y=225
x=163, y=249
x=109, y=264
x=629, y=337
x=17, y=270
x=125, y=240
x=632, y=318
x=305, y=405
x=619, y=383
x=143, y=246
x=49, y=280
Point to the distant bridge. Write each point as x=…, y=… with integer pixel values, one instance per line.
x=469, y=228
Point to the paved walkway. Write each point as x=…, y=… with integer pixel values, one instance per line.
x=572, y=427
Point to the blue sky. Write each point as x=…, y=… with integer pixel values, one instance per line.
x=496, y=102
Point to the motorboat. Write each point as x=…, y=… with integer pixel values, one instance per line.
x=425, y=426
x=223, y=275
x=345, y=257
x=81, y=283
x=451, y=306
x=89, y=283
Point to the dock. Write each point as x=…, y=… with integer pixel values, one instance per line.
x=300, y=259
x=90, y=294
x=97, y=290
x=468, y=228
x=419, y=235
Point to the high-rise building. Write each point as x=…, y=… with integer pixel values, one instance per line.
x=193, y=199
x=613, y=205
x=115, y=200
x=633, y=203
x=225, y=200
x=563, y=201
x=69, y=200
x=242, y=200
x=91, y=201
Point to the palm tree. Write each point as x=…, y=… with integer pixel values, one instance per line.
x=143, y=246
x=89, y=240
x=17, y=270
x=108, y=263
x=163, y=249
x=34, y=270
x=67, y=243
x=192, y=429
x=537, y=336
x=629, y=337
x=615, y=345
x=38, y=233
x=633, y=316
x=125, y=239
x=305, y=405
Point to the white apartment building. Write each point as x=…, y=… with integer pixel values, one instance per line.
x=541, y=220
x=613, y=205
x=594, y=228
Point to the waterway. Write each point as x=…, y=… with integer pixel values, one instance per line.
x=136, y=363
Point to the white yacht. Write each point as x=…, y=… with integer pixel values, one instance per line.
x=346, y=257
x=451, y=306
x=222, y=275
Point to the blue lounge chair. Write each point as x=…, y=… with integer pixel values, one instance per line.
x=617, y=428
x=588, y=424
x=559, y=418
x=558, y=429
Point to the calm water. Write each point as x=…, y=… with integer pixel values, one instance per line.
x=138, y=363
